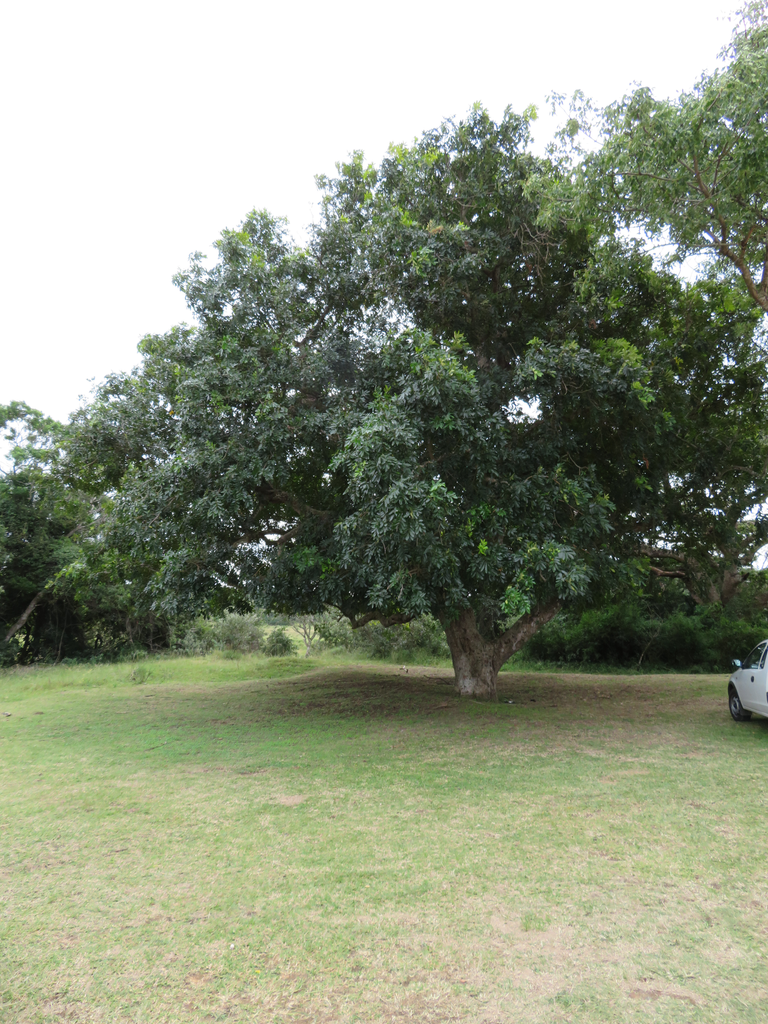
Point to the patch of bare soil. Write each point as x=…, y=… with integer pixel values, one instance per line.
x=198, y=979
x=654, y=994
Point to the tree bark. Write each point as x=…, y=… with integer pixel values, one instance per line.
x=472, y=656
x=35, y=600
x=24, y=615
x=718, y=585
x=477, y=661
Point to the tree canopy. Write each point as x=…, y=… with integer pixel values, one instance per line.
x=441, y=404
x=61, y=592
x=692, y=169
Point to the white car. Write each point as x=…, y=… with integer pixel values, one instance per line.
x=748, y=686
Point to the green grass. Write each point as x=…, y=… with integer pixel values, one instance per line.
x=229, y=840
x=215, y=668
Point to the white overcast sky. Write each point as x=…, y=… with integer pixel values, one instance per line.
x=132, y=134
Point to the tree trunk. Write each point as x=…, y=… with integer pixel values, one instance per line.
x=477, y=661
x=472, y=656
x=24, y=615
x=35, y=600
x=733, y=577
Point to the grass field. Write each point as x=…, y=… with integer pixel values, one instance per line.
x=354, y=844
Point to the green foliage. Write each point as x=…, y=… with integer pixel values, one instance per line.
x=448, y=404
x=279, y=644
x=615, y=635
x=692, y=485
x=450, y=236
x=689, y=174
x=230, y=632
x=334, y=631
x=702, y=519
x=694, y=167
x=347, y=475
x=63, y=596
x=631, y=635
x=422, y=638
x=238, y=632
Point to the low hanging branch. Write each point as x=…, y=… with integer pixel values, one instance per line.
x=398, y=619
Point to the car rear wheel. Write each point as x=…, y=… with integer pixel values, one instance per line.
x=738, y=714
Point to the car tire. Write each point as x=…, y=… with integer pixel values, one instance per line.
x=738, y=714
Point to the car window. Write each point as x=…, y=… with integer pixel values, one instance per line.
x=765, y=654
x=752, y=660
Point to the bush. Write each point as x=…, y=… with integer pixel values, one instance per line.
x=681, y=642
x=195, y=637
x=242, y=633
x=231, y=632
x=423, y=637
x=615, y=635
x=335, y=631
x=629, y=635
x=278, y=644
x=729, y=635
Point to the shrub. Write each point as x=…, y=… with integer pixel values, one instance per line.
x=195, y=637
x=231, y=632
x=681, y=642
x=242, y=633
x=627, y=635
x=614, y=635
x=423, y=637
x=731, y=636
x=335, y=631
x=278, y=644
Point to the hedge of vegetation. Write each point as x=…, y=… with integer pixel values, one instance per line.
x=629, y=635
x=645, y=634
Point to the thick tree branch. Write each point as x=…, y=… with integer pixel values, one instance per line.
x=24, y=615
x=678, y=574
x=513, y=639
x=271, y=494
x=37, y=598
x=650, y=551
x=315, y=328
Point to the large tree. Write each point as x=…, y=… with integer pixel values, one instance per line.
x=436, y=406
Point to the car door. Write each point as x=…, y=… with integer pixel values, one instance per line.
x=751, y=683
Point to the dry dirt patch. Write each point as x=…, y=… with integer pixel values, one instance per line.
x=290, y=801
